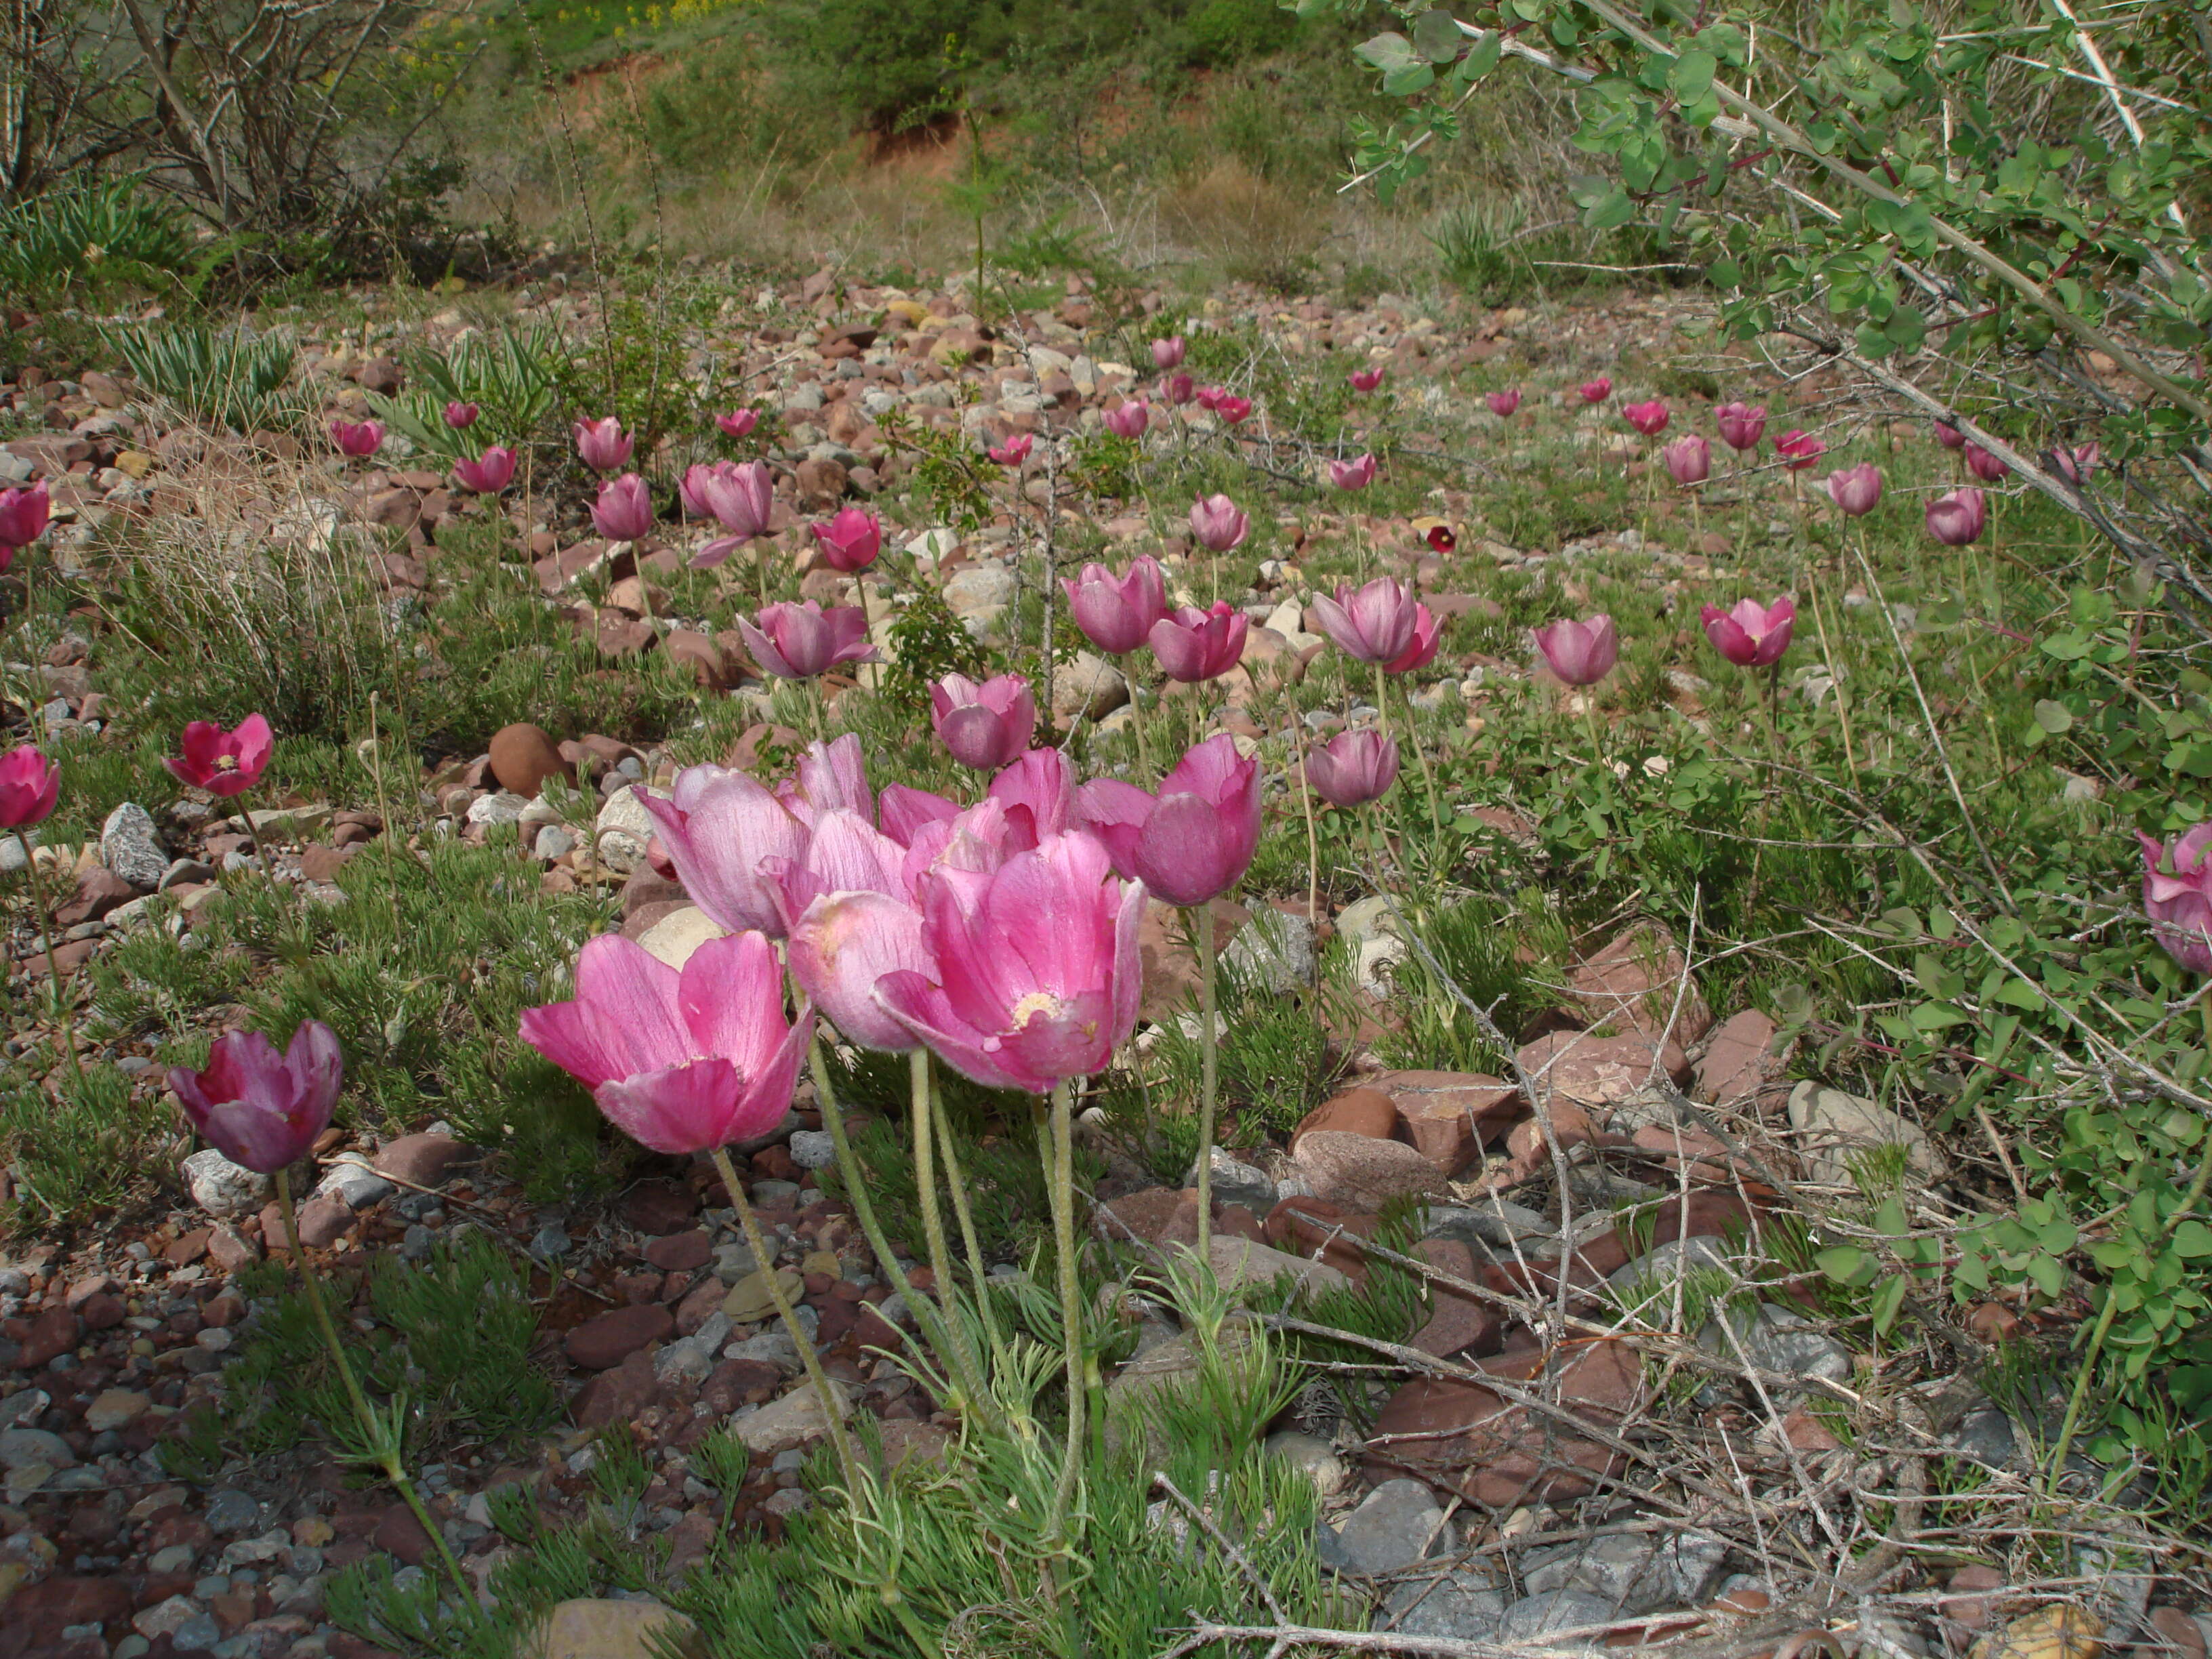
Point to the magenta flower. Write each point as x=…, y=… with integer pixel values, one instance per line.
x=1232, y=409
x=851, y=540
x=1502, y=403
x=739, y=423
x=1374, y=623
x=2180, y=902
x=357, y=437
x=739, y=495
x=30, y=784
x=1117, y=612
x=905, y=812
x=1799, y=450
x=489, y=473
x=1983, y=465
x=1217, y=524
x=1688, y=459
x=1597, y=390
x=985, y=726
x=23, y=517
x=1014, y=451
x=1751, y=636
x=1034, y=973
x=1210, y=397
x=798, y=641
x=258, y=1107
x=1353, y=768
x=680, y=1061
x=1193, y=645
x=1741, y=425
x=603, y=444
x=1959, y=518
x=1366, y=380
x=1168, y=353
x=829, y=777
x=845, y=854
x=842, y=945
x=460, y=416
x=1356, y=474
x=1949, y=436
x=2074, y=465
x=1648, y=418
x=1856, y=490
x=223, y=763
x=1128, y=419
x=1037, y=794
x=1194, y=839
x=1580, y=653
x=1178, y=389
x=718, y=826
x=1423, y=648
x=624, y=511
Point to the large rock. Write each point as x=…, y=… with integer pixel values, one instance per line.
x=421, y=1160
x=523, y=756
x=1637, y=981
x=783, y=1425
x=1238, y=1262
x=610, y=1338
x=1835, y=1126
x=977, y=589
x=603, y=1628
x=130, y=846
x=1089, y=686
x=1449, y=1116
x=1636, y=1572
x=1456, y=1322
x=1396, y=1526
x=1274, y=950
x=623, y=831
x=1739, y=1060
x=1360, y=1111
x=1595, y=1071
x=1361, y=1171
x=1461, y=1606
x=223, y=1188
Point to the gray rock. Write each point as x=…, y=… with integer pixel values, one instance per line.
x=553, y=840
x=691, y=1359
x=353, y=1186
x=1396, y=1525
x=496, y=809
x=1235, y=1182
x=1275, y=949
x=1837, y=1127
x=1311, y=1455
x=185, y=869
x=223, y=1188
x=774, y=1346
x=1634, y=1572
x=130, y=847
x=733, y=1262
x=551, y=1240
x=774, y=1194
x=1371, y=935
x=1461, y=1606
x=1660, y=1267
x=1496, y=1226
x=1533, y=1616
x=813, y=1149
x=1774, y=1339
x=23, y=1406
x=977, y=588
x=231, y=1511
x=14, y=860
x=22, y=1448
x=1986, y=1435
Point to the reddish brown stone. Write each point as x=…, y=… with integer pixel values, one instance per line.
x=1598, y=1073
x=616, y=1394
x=658, y=1208
x=699, y=1305
x=1738, y=1060
x=1313, y=1228
x=680, y=1252
x=99, y=891
x=186, y=1247
x=1362, y=1111
x=523, y=756
x=736, y=1382
x=1631, y=985
x=400, y=1532
x=1456, y=1322
x=102, y=1312
x=1449, y=1116
x=423, y=1160
x=1158, y=1215
x=52, y=1604
x=610, y=1338
x=54, y=1331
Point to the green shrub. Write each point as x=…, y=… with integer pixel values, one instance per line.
x=89, y=237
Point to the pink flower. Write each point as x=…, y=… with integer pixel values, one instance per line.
x=1232, y=410
x=489, y=473
x=624, y=511
x=1741, y=425
x=1210, y=397
x=1688, y=459
x=1127, y=420
x=603, y=444
x=1422, y=650
x=739, y=495
x=260, y=1108
x=1958, y=518
x=2180, y=902
x=845, y=854
x=1014, y=451
x=984, y=726
x=1597, y=390
x=1168, y=353
x=1580, y=653
x=1176, y=389
x=1193, y=645
x=1502, y=403
x=1037, y=794
x=1036, y=976
x=1194, y=839
x=1217, y=524
x=1366, y=380
x=717, y=827
x=30, y=784
x=1117, y=612
x=2074, y=465
x=1353, y=768
x=798, y=641
x=829, y=777
x=680, y=1061
x=1799, y=449
x=1856, y=490
x=23, y=516
x=1949, y=436
x=1647, y=418
x=739, y=423
x=905, y=812
x=460, y=416
x=223, y=763
x=842, y=945
x=850, y=541
x=357, y=439
x=1751, y=636
x=1374, y=624
x=1353, y=474
x=1983, y=465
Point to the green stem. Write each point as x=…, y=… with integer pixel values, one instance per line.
x=1209, y=1062
x=1428, y=771
x=1313, y=834
x=1136, y=717
x=1382, y=701
x=955, y=1183
x=809, y=1361
x=1063, y=1186
x=53, y=968
x=946, y=1288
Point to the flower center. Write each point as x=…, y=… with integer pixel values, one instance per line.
x=225, y=762
x=1035, y=1003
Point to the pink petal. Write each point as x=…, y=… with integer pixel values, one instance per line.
x=683, y=1108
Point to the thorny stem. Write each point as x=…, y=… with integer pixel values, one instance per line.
x=809, y=1360
x=53, y=968
x=1209, y=1067
x=945, y=1288
x=1062, y=1188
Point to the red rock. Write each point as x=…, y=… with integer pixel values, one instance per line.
x=677, y=1253
x=610, y=1338
x=229, y=1249
x=1363, y=1111
x=690, y=1541
x=170, y=1528
x=698, y=1306
x=82, y=1291
x=524, y=755
x=186, y=1247
x=1158, y=1215
x=1738, y=1061
x=421, y=1160
x=636, y=1289
x=1169, y=962
x=1631, y=984
x=102, y=1312
x=1992, y=1322
x=1805, y=1431
x=54, y=1331
x=400, y=1532
x=616, y=1394
x=99, y=891
x=736, y=1382
x=1449, y=1115
x=1599, y=1072
x=323, y=1222
x=1676, y=1143
x=52, y=1604
x=1362, y=1171
x=1456, y=1322
x=1313, y=1228
x=2174, y=1635
x=1977, y=1608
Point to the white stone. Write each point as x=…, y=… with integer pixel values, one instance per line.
x=677, y=934
x=1090, y=685
x=1836, y=1125
x=623, y=830
x=792, y=1421
x=130, y=846
x=223, y=1188
x=501, y=807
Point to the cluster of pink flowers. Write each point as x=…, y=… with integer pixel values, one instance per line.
x=1118, y=614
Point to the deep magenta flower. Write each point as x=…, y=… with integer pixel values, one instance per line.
x=718, y=826
x=1014, y=451
x=1983, y=465
x=460, y=416
x=23, y=517
x=1799, y=450
x=2075, y=465
x=1597, y=390
x=1751, y=636
x=1037, y=794
x=851, y=540
x=1210, y=397
x=1502, y=403
x=489, y=473
x=223, y=763
x=1232, y=408
x=1218, y=524
x=603, y=444
x=357, y=437
x=1117, y=612
x=1959, y=518
x=985, y=726
x=624, y=511
x=1355, y=474
x=845, y=854
x=2177, y=892
x=739, y=423
x=1649, y=418
x=1193, y=645
x=260, y=1108
x=1168, y=353
x=1741, y=425
x=1688, y=459
x=1178, y=389
x=1193, y=841
x=1441, y=538
x=1580, y=653
x=1127, y=419
x=739, y=495
x=1422, y=650
x=681, y=1061
x=30, y=784
x=1856, y=490
x=1949, y=436
x=1366, y=380
x=905, y=811
x=1374, y=623
x=1352, y=768
x=796, y=641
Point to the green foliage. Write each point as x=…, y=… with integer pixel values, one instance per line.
x=73, y=1149
x=928, y=641
x=228, y=376
x=510, y=377
x=89, y=238
x=1275, y=1062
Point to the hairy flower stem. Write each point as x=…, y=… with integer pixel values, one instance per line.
x=1313, y=835
x=963, y=1357
x=956, y=1182
x=1136, y=716
x=53, y=968
x=381, y=1437
x=1382, y=701
x=811, y=1362
x=1209, y=1038
x=1062, y=1188
x=1428, y=771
